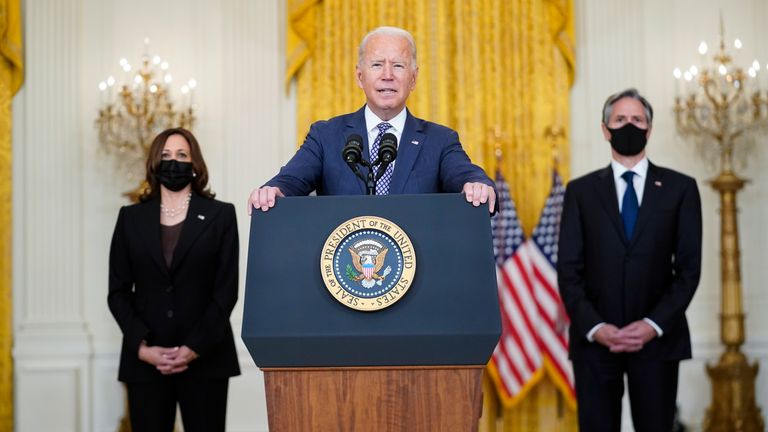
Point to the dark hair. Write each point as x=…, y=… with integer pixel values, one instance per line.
x=630, y=93
x=155, y=155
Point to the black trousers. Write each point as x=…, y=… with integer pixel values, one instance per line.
x=652, y=389
x=203, y=404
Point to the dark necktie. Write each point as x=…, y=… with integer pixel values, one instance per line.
x=629, y=205
x=382, y=186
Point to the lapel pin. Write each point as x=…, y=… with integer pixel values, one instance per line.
x=657, y=183
x=414, y=142
x=201, y=217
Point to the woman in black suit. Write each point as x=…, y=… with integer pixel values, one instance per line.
x=173, y=270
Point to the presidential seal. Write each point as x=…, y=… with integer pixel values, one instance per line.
x=368, y=263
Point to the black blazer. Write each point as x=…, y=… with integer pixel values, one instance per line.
x=605, y=277
x=186, y=304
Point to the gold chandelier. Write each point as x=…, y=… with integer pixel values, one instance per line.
x=722, y=106
x=135, y=110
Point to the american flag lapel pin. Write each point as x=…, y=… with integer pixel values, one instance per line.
x=201, y=217
x=657, y=183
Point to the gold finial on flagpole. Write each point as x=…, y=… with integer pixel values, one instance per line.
x=554, y=133
x=496, y=136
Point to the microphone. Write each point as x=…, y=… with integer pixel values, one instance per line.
x=353, y=150
x=387, y=149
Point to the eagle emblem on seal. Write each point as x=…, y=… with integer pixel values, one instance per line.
x=368, y=258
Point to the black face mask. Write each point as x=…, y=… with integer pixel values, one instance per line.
x=628, y=140
x=174, y=175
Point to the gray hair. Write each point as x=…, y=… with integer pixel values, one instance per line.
x=387, y=31
x=630, y=93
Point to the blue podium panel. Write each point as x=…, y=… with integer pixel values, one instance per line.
x=448, y=316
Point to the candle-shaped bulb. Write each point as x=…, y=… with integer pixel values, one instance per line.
x=703, y=48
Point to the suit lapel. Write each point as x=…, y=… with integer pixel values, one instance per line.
x=651, y=194
x=411, y=141
x=149, y=229
x=356, y=125
x=199, y=216
x=607, y=191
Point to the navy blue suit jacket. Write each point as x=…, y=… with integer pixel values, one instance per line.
x=430, y=159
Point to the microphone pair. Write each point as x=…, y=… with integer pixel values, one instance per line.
x=353, y=150
x=353, y=156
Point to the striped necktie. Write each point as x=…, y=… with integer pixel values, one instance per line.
x=382, y=186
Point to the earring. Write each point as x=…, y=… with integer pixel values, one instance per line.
x=194, y=174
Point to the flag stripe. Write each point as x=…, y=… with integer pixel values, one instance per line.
x=515, y=331
x=518, y=314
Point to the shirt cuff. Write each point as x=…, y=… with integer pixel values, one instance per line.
x=591, y=333
x=656, y=328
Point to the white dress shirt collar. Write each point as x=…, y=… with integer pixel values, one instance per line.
x=641, y=169
x=372, y=121
x=638, y=180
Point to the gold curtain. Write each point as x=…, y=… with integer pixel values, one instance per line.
x=497, y=71
x=11, y=77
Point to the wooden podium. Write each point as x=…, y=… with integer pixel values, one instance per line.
x=413, y=366
x=374, y=399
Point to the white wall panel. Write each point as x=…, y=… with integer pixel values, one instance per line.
x=51, y=396
x=51, y=345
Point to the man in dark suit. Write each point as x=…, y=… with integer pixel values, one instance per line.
x=629, y=261
x=430, y=157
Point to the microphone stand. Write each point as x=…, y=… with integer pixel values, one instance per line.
x=369, y=180
x=370, y=183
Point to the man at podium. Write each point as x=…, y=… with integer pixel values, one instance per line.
x=429, y=157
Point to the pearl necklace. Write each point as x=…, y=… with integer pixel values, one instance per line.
x=173, y=212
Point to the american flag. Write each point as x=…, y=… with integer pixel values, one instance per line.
x=516, y=363
x=553, y=328
x=534, y=323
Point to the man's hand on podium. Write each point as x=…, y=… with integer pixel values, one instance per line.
x=263, y=198
x=480, y=193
